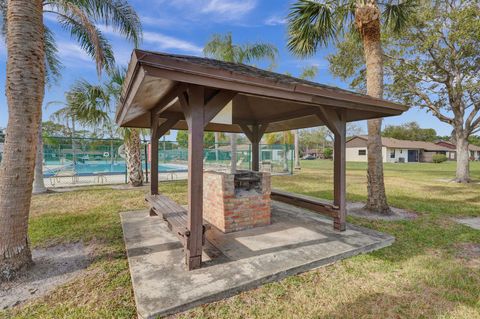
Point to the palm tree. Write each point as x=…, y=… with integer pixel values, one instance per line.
x=31, y=61
x=92, y=105
x=131, y=136
x=221, y=47
x=314, y=23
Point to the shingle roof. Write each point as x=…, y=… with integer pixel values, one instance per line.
x=247, y=70
x=396, y=143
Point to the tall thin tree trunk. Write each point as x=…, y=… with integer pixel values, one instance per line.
x=367, y=19
x=134, y=158
x=463, y=157
x=297, y=150
x=38, y=182
x=24, y=89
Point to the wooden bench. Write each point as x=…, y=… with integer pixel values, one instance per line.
x=175, y=215
x=307, y=202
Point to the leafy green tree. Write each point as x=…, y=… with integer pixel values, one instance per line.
x=432, y=64
x=410, y=131
x=208, y=139
x=474, y=139
x=313, y=138
x=221, y=47
x=317, y=23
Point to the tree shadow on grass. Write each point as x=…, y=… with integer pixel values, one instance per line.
x=433, y=294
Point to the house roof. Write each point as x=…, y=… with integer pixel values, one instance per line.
x=406, y=144
x=259, y=97
x=473, y=147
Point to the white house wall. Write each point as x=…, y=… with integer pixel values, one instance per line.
x=399, y=153
x=352, y=154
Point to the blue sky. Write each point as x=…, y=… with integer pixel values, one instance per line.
x=184, y=26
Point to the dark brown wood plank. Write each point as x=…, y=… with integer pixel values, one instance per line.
x=195, y=120
x=306, y=202
x=166, y=101
x=154, y=156
x=339, y=172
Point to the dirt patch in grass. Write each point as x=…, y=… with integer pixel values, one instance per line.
x=470, y=252
x=357, y=210
x=53, y=267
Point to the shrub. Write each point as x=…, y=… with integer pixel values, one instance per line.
x=439, y=158
x=327, y=153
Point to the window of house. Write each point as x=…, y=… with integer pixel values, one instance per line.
x=362, y=152
x=392, y=153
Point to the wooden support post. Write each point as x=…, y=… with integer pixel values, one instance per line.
x=194, y=114
x=339, y=189
x=255, y=135
x=255, y=148
x=154, y=155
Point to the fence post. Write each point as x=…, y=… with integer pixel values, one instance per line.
x=145, y=150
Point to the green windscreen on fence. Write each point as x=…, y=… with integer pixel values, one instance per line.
x=89, y=158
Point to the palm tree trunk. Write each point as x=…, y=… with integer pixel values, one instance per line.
x=367, y=19
x=38, y=182
x=24, y=89
x=134, y=158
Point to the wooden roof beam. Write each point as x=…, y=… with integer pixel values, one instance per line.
x=169, y=98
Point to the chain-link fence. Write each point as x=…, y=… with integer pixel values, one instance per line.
x=86, y=161
x=79, y=161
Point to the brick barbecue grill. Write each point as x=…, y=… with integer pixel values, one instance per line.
x=233, y=202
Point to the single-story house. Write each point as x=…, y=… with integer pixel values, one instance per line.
x=397, y=151
x=474, y=149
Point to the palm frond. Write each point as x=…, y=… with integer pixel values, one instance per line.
x=258, y=51
x=52, y=61
x=113, y=86
x=88, y=102
x=3, y=17
x=90, y=39
x=309, y=72
x=310, y=23
x=398, y=13
x=116, y=13
x=220, y=47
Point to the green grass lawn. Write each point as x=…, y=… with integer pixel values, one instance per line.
x=431, y=271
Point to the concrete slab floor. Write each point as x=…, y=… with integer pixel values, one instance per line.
x=297, y=240
x=473, y=222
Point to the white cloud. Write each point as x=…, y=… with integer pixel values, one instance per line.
x=275, y=20
x=158, y=22
x=159, y=40
x=217, y=10
x=232, y=7
x=72, y=52
x=164, y=42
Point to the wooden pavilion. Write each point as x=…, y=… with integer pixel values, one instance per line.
x=166, y=91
